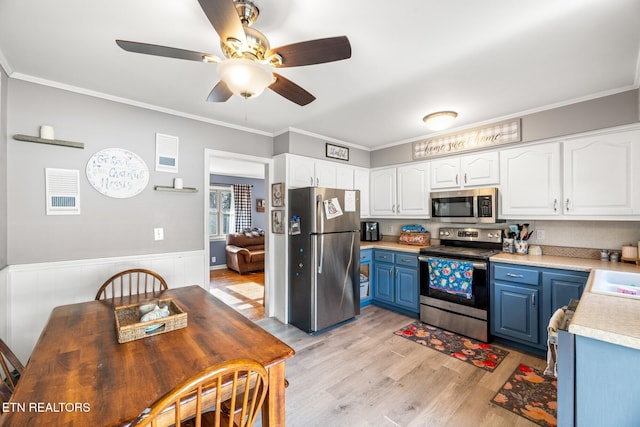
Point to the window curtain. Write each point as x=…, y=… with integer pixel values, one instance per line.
x=242, y=206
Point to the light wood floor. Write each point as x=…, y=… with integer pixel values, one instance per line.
x=244, y=292
x=361, y=374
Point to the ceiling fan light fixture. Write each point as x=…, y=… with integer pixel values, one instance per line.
x=245, y=77
x=440, y=120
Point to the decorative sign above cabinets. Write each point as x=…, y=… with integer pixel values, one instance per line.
x=118, y=173
x=500, y=133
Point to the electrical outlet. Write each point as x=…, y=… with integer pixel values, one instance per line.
x=158, y=233
x=539, y=234
x=213, y=259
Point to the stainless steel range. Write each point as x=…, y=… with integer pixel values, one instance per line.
x=454, y=280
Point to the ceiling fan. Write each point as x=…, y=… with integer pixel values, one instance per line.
x=249, y=60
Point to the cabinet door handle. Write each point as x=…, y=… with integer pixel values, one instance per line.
x=567, y=204
x=555, y=205
x=519, y=276
x=317, y=179
x=311, y=180
x=397, y=209
x=533, y=299
x=456, y=179
x=465, y=177
x=393, y=208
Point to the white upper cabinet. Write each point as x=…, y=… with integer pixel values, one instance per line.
x=309, y=172
x=361, y=182
x=345, y=177
x=600, y=175
x=326, y=174
x=591, y=177
x=383, y=192
x=530, y=180
x=473, y=170
x=301, y=172
x=401, y=191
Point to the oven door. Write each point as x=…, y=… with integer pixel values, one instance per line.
x=479, y=284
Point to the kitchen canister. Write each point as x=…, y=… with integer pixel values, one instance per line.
x=630, y=252
x=535, y=250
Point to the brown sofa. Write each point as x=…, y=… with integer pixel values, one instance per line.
x=245, y=254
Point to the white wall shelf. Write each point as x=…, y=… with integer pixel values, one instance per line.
x=59, y=142
x=176, y=190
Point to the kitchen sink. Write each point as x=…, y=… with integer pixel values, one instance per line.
x=618, y=283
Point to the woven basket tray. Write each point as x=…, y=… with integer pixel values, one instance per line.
x=130, y=328
x=417, y=239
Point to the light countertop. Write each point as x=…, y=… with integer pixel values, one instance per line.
x=603, y=317
x=565, y=263
x=392, y=246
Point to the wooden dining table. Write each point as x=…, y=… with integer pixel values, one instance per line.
x=79, y=375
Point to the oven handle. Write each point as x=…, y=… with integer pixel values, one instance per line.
x=476, y=265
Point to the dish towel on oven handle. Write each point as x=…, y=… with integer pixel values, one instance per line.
x=454, y=277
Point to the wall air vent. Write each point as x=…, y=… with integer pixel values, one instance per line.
x=62, y=191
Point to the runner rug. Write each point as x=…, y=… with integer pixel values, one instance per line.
x=531, y=395
x=477, y=353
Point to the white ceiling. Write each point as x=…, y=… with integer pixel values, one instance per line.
x=486, y=60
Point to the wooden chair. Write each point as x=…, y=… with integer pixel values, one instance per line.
x=11, y=371
x=211, y=398
x=131, y=282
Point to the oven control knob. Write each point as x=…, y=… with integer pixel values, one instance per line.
x=489, y=235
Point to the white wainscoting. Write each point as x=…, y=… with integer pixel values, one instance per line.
x=28, y=292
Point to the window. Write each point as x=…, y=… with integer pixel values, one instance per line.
x=220, y=212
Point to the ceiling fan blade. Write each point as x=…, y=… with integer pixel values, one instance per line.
x=219, y=93
x=288, y=89
x=313, y=51
x=169, y=52
x=225, y=20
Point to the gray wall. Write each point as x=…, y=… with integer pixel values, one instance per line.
x=309, y=146
x=217, y=248
x=600, y=113
x=106, y=226
x=3, y=168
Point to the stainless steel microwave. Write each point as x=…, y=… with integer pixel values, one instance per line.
x=478, y=205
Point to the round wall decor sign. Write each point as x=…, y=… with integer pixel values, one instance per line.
x=118, y=173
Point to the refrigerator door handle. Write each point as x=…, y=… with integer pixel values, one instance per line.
x=321, y=259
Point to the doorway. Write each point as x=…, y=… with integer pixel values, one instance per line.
x=248, y=293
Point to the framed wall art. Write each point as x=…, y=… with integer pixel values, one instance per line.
x=277, y=221
x=166, y=153
x=337, y=152
x=277, y=194
x=260, y=205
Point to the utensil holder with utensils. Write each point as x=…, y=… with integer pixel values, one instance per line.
x=522, y=247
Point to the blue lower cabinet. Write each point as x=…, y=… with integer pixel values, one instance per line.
x=558, y=288
x=407, y=289
x=516, y=312
x=383, y=282
x=396, y=283
x=523, y=299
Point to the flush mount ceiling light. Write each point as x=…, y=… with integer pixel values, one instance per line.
x=440, y=120
x=245, y=77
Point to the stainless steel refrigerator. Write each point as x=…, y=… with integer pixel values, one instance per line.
x=324, y=257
